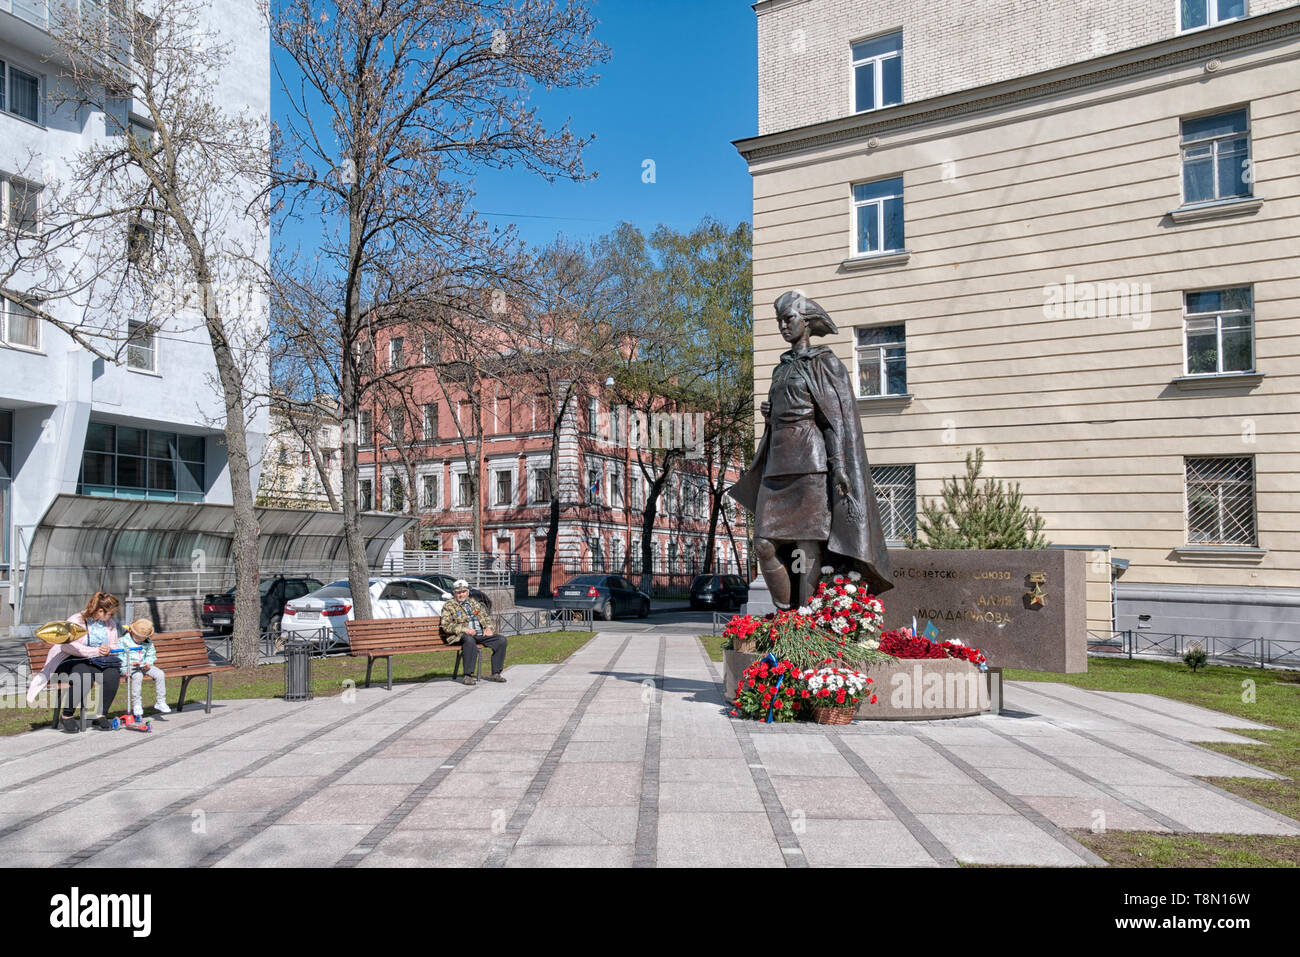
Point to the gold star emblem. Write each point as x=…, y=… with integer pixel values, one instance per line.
x=1036, y=593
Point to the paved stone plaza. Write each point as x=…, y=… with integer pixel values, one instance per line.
x=621, y=756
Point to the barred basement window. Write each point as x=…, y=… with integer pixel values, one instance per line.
x=1221, y=501
x=896, y=495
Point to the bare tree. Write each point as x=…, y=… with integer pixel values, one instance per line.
x=581, y=315
x=392, y=107
x=159, y=226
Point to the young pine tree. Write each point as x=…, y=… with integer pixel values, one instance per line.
x=971, y=514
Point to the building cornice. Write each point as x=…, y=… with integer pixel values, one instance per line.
x=1153, y=57
x=770, y=6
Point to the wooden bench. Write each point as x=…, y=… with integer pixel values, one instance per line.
x=181, y=654
x=386, y=637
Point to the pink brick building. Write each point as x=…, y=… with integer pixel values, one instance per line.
x=604, y=471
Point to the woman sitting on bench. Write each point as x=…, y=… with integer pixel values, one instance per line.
x=85, y=661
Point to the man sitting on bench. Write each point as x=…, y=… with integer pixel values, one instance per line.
x=467, y=622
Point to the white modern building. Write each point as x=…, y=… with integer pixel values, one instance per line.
x=149, y=428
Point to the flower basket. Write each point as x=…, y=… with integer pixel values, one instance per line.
x=833, y=715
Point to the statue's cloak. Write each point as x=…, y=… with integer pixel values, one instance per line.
x=856, y=536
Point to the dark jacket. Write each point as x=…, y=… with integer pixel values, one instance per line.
x=856, y=533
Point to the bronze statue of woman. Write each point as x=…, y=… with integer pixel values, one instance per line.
x=810, y=486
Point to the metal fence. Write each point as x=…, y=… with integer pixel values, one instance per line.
x=480, y=569
x=187, y=582
x=1235, y=651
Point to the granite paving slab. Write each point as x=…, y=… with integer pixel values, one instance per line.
x=623, y=755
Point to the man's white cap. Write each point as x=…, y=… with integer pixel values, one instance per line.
x=458, y=584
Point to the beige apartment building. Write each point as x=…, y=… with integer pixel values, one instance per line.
x=1067, y=234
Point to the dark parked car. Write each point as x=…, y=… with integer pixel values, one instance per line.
x=219, y=610
x=606, y=595
x=446, y=581
x=719, y=592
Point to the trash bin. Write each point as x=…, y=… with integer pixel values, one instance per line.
x=297, y=671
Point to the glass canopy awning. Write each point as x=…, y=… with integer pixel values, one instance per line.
x=85, y=544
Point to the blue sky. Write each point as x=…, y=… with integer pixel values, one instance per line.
x=681, y=84
x=679, y=87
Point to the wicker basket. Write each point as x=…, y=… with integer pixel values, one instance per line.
x=840, y=715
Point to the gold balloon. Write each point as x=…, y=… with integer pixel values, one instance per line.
x=59, y=632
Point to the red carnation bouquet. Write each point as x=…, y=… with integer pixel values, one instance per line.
x=902, y=643
x=770, y=688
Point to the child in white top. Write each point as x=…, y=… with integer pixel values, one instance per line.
x=139, y=661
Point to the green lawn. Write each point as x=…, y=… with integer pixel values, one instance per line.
x=713, y=645
x=1268, y=697
x=328, y=677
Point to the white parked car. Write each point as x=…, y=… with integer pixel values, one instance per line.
x=321, y=616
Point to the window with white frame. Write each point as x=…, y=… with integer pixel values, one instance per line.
x=881, y=358
x=396, y=494
x=616, y=424
x=593, y=414
x=504, y=487
x=396, y=425
x=464, y=493
x=638, y=490
x=878, y=217
x=430, y=350
x=1216, y=157
x=1220, y=331
x=615, y=551
x=365, y=429
x=365, y=495
x=878, y=72
x=593, y=485
x=141, y=347
x=895, y=487
x=1221, y=501
x=1195, y=14
x=430, y=430
x=20, y=91
x=539, y=485
x=616, y=484
x=396, y=346
x=429, y=491
x=21, y=201
x=19, y=325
